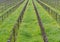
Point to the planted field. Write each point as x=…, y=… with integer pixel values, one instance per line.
x=54, y=3
x=6, y=5
x=29, y=21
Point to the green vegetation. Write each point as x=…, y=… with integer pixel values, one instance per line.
x=51, y=27
x=7, y=25
x=7, y=5
x=54, y=3
x=29, y=30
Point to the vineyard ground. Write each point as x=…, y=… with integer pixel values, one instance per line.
x=29, y=30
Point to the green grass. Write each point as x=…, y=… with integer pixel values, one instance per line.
x=6, y=27
x=10, y=13
x=29, y=30
x=52, y=8
x=51, y=27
